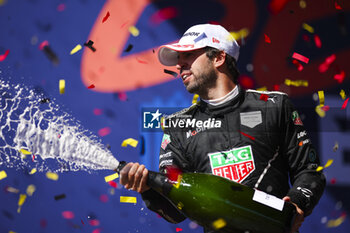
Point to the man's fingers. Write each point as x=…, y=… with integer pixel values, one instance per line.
x=138, y=176
x=143, y=184
x=131, y=175
x=124, y=174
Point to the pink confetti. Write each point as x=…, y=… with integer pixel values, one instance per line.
x=333, y=181
x=68, y=214
x=298, y=65
x=97, y=111
x=267, y=39
x=317, y=41
x=104, y=198
x=113, y=184
x=340, y=77
x=98, y=230
x=122, y=96
x=248, y=136
x=3, y=56
x=106, y=17
x=43, y=44
x=325, y=108
x=104, y=131
x=325, y=65
x=61, y=7
x=300, y=57
x=94, y=222
x=264, y=97
x=163, y=14
x=178, y=229
x=345, y=103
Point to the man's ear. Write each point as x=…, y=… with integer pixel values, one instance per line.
x=219, y=60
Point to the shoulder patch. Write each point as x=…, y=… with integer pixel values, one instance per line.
x=267, y=92
x=181, y=112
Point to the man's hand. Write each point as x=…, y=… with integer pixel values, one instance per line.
x=134, y=176
x=299, y=218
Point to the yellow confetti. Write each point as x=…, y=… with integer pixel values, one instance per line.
x=134, y=31
x=21, y=200
x=3, y=175
x=2, y=2
x=25, y=152
x=321, y=98
x=12, y=232
x=52, y=176
x=32, y=171
x=62, y=86
x=180, y=205
x=320, y=111
x=195, y=99
x=130, y=141
x=219, y=223
x=76, y=49
x=336, y=222
x=308, y=28
x=296, y=83
x=329, y=163
x=178, y=182
x=262, y=89
x=111, y=177
x=342, y=94
x=126, y=199
x=302, y=4
x=243, y=33
x=30, y=190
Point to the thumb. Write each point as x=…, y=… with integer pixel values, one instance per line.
x=286, y=198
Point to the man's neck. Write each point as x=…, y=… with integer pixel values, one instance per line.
x=222, y=88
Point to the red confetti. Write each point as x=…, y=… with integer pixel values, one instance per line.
x=82, y=221
x=300, y=57
x=106, y=17
x=3, y=56
x=267, y=39
x=214, y=22
x=163, y=14
x=299, y=66
x=104, y=131
x=333, y=181
x=104, y=198
x=97, y=111
x=325, y=108
x=178, y=229
x=122, y=96
x=246, y=82
x=276, y=6
x=264, y=97
x=340, y=77
x=337, y=6
x=306, y=38
x=68, y=214
x=248, y=136
x=61, y=7
x=43, y=44
x=33, y=158
x=91, y=86
x=173, y=173
x=94, y=222
x=276, y=87
x=98, y=230
x=140, y=61
x=317, y=41
x=113, y=184
x=345, y=103
x=325, y=65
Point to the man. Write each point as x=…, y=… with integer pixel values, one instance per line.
x=264, y=123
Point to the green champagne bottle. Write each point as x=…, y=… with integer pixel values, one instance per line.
x=222, y=205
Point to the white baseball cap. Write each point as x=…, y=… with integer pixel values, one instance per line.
x=197, y=37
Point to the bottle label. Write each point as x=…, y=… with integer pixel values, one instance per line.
x=268, y=200
x=235, y=164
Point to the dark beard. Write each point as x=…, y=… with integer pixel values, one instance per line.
x=203, y=82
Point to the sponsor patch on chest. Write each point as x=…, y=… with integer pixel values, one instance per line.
x=251, y=119
x=235, y=164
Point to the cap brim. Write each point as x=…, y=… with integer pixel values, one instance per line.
x=168, y=54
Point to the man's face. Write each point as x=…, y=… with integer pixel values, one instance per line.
x=196, y=70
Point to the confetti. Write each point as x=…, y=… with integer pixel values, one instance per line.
x=75, y=49
x=122, y=96
x=51, y=55
x=275, y=6
x=178, y=229
x=173, y=73
x=43, y=44
x=3, y=56
x=195, y=99
x=3, y=175
x=248, y=136
x=32, y=171
x=163, y=14
x=342, y=94
x=89, y=45
x=345, y=103
x=337, y=6
x=12, y=232
x=267, y=39
x=21, y=200
x=336, y=146
x=104, y=131
x=126, y=199
x=104, y=198
x=340, y=77
x=68, y=214
x=130, y=141
x=320, y=111
x=302, y=4
x=52, y=176
x=128, y=49
x=336, y=222
x=62, y=86
x=25, y=152
x=91, y=86
x=134, y=31
x=296, y=83
x=262, y=89
x=325, y=65
x=308, y=28
x=329, y=163
x=243, y=33
x=61, y=7
x=317, y=41
x=219, y=223
x=321, y=97
x=111, y=177
x=113, y=184
x=263, y=97
x=246, y=82
x=106, y=17
x=60, y=196
x=94, y=222
x=298, y=65
x=300, y=57
x=98, y=230
x=30, y=190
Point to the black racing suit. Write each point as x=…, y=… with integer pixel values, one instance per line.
x=265, y=127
